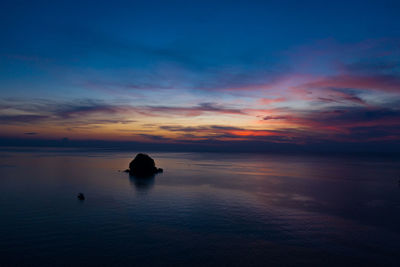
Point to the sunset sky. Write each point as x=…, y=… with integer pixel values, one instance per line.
x=298, y=72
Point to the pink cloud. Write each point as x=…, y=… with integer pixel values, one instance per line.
x=388, y=83
x=268, y=101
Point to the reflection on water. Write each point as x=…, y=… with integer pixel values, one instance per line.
x=205, y=209
x=142, y=184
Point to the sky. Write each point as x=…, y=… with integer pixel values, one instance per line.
x=201, y=72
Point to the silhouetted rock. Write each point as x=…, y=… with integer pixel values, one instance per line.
x=143, y=166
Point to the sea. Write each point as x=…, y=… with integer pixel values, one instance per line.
x=205, y=209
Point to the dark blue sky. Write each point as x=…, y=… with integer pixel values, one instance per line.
x=179, y=71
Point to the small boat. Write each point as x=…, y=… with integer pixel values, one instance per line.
x=81, y=196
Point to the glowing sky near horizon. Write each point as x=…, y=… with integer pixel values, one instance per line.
x=153, y=71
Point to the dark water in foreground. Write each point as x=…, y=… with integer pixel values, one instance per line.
x=205, y=209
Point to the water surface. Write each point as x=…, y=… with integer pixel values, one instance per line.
x=205, y=209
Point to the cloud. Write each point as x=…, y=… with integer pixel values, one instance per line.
x=157, y=138
x=178, y=128
x=344, y=123
x=268, y=101
x=190, y=111
x=284, y=104
x=266, y=118
x=359, y=116
x=67, y=111
x=82, y=109
x=368, y=67
x=335, y=95
x=220, y=132
x=21, y=119
x=386, y=83
x=92, y=112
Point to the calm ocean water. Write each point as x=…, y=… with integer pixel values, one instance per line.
x=205, y=209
